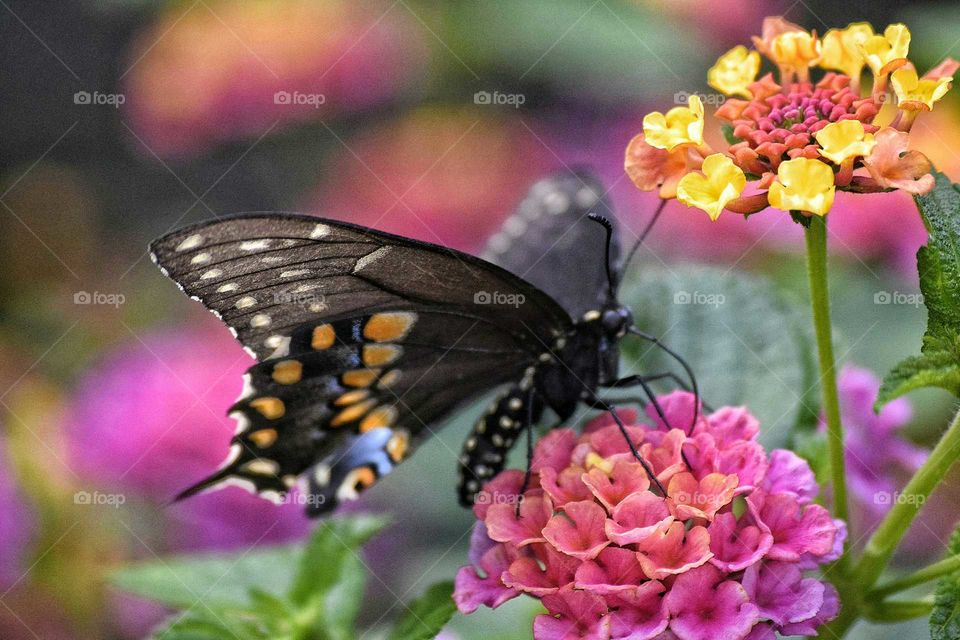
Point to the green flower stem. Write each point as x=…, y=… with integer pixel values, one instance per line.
x=816, y=237
x=898, y=610
x=884, y=540
x=926, y=574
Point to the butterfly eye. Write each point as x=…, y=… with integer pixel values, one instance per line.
x=612, y=321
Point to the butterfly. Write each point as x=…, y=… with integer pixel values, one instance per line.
x=366, y=340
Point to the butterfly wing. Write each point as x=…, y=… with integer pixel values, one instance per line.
x=550, y=242
x=365, y=340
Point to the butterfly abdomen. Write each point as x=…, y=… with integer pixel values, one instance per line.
x=485, y=451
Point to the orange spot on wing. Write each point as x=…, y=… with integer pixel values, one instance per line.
x=376, y=355
x=351, y=397
x=263, y=438
x=385, y=327
x=287, y=372
x=382, y=416
x=398, y=446
x=360, y=377
x=323, y=337
x=269, y=407
x=352, y=413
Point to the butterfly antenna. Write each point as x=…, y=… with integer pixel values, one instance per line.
x=643, y=235
x=683, y=363
x=612, y=280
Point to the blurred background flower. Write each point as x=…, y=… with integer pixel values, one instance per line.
x=124, y=119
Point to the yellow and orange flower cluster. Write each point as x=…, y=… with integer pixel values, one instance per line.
x=795, y=142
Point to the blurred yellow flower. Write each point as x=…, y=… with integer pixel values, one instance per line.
x=918, y=94
x=721, y=182
x=795, y=51
x=803, y=184
x=734, y=71
x=840, y=141
x=888, y=52
x=840, y=49
x=680, y=125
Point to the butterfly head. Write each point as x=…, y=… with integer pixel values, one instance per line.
x=615, y=321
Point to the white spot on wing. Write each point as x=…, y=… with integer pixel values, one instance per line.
x=254, y=245
x=280, y=345
x=294, y=273
x=586, y=197
x=320, y=230
x=245, y=302
x=211, y=274
x=190, y=242
x=227, y=288
x=556, y=203
x=370, y=258
x=515, y=226
x=200, y=258
x=260, y=320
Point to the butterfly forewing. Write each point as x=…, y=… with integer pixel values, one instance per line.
x=266, y=274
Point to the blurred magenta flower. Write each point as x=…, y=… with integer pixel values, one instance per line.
x=880, y=461
x=16, y=525
x=441, y=175
x=722, y=554
x=150, y=418
x=232, y=69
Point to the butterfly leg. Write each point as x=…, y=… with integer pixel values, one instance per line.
x=484, y=452
x=683, y=363
x=600, y=403
x=629, y=381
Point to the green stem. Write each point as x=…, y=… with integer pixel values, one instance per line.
x=926, y=574
x=884, y=540
x=816, y=237
x=898, y=610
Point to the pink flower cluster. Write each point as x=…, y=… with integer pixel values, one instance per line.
x=722, y=555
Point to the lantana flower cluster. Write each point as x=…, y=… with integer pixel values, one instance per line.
x=724, y=554
x=793, y=143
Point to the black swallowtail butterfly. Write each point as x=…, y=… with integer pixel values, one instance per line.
x=364, y=339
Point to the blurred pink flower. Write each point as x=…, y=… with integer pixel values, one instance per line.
x=232, y=69
x=722, y=554
x=441, y=175
x=150, y=419
x=880, y=461
x=16, y=525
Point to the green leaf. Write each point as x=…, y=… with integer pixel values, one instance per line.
x=938, y=262
x=745, y=342
x=292, y=592
x=427, y=615
x=322, y=563
x=945, y=617
x=219, y=579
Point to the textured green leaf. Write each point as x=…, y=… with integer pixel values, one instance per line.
x=427, y=615
x=939, y=265
x=746, y=344
x=945, y=617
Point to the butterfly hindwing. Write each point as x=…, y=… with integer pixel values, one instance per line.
x=356, y=394
x=550, y=242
